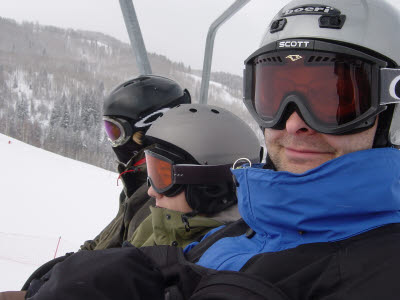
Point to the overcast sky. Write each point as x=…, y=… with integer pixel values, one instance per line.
x=175, y=28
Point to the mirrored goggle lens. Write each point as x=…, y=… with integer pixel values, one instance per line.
x=159, y=170
x=112, y=130
x=336, y=88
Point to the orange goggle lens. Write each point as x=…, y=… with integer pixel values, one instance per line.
x=159, y=170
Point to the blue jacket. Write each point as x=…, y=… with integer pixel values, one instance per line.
x=341, y=198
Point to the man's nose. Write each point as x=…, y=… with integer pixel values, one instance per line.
x=152, y=193
x=296, y=125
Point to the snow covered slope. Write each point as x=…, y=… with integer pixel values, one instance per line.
x=44, y=196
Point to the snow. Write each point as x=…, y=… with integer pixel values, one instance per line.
x=106, y=47
x=43, y=197
x=195, y=77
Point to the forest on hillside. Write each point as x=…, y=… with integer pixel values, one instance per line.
x=53, y=82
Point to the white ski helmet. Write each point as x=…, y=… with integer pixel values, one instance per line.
x=199, y=144
x=211, y=135
x=363, y=33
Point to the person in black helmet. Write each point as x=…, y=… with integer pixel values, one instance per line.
x=128, y=113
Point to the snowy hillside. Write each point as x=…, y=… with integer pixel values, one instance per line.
x=44, y=196
x=53, y=82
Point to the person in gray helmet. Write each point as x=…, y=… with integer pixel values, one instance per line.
x=188, y=166
x=189, y=173
x=324, y=211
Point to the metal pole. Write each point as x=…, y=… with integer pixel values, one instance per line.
x=205, y=79
x=135, y=36
x=58, y=244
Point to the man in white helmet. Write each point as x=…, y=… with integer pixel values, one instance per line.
x=325, y=88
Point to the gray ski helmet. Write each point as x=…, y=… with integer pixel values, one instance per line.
x=370, y=26
x=210, y=134
x=141, y=100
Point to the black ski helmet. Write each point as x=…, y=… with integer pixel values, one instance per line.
x=368, y=26
x=209, y=135
x=141, y=100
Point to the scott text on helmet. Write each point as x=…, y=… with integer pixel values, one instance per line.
x=294, y=44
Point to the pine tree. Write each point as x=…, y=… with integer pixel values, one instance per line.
x=65, y=118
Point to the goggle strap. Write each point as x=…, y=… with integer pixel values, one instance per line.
x=389, y=78
x=201, y=174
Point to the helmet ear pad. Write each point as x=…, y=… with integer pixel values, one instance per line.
x=210, y=199
x=381, y=139
x=175, y=190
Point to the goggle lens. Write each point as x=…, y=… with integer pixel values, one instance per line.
x=159, y=171
x=112, y=130
x=336, y=89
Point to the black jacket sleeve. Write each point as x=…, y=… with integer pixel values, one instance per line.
x=159, y=272
x=118, y=273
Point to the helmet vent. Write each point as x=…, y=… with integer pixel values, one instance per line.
x=193, y=110
x=333, y=22
x=272, y=59
x=215, y=111
x=136, y=80
x=320, y=59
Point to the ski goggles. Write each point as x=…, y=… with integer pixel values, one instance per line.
x=118, y=130
x=334, y=88
x=164, y=175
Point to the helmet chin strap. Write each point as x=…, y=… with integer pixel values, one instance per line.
x=125, y=152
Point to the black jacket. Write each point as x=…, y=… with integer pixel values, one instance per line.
x=363, y=267
x=134, y=206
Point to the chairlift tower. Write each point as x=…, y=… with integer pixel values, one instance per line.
x=208, y=53
x=135, y=36
x=139, y=49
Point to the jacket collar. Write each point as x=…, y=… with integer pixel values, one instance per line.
x=341, y=198
x=169, y=225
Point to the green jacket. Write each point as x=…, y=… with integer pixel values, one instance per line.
x=169, y=227
x=133, y=207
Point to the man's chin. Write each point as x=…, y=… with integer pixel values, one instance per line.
x=299, y=166
x=300, y=162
